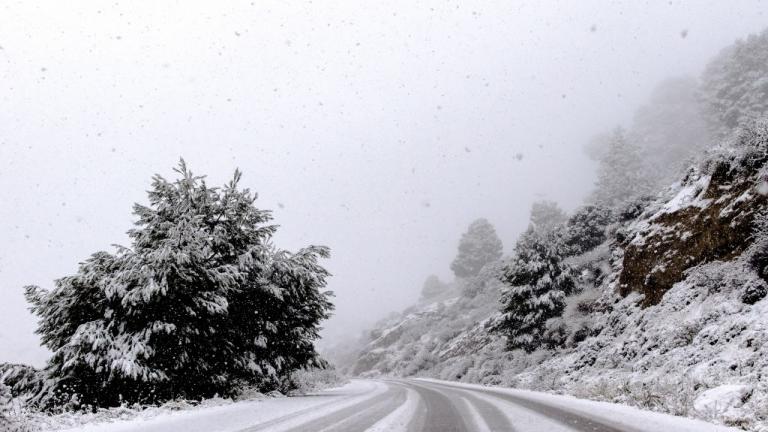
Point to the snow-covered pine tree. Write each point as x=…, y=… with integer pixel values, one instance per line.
x=274, y=317
x=585, y=229
x=432, y=287
x=621, y=174
x=170, y=316
x=734, y=86
x=73, y=321
x=536, y=282
x=478, y=246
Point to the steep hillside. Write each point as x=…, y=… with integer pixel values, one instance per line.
x=670, y=314
x=425, y=335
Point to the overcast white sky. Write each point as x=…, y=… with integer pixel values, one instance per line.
x=379, y=129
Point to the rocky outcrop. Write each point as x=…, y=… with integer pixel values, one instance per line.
x=710, y=218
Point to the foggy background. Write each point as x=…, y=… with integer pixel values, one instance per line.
x=380, y=130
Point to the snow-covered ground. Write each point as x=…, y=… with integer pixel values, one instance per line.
x=410, y=405
x=237, y=416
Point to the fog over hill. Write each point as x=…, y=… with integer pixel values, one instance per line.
x=205, y=206
x=365, y=128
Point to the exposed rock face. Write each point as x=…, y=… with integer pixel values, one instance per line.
x=711, y=218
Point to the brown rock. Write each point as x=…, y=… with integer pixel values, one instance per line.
x=716, y=225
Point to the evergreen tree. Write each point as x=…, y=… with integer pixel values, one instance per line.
x=585, y=230
x=735, y=85
x=432, y=287
x=621, y=174
x=478, y=246
x=73, y=322
x=200, y=304
x=536, y=279
x=274, y=317
x=536, y=283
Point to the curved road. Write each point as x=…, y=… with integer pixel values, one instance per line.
x=411, y=405
x=437, y=406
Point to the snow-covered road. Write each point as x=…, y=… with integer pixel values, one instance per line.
x=414, y=405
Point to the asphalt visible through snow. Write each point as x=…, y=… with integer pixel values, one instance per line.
x=494, y=418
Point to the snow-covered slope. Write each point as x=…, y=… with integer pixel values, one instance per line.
x=428, y=334
x=679, y=322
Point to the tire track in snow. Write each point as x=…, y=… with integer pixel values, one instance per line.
x=484, y=415
x=480, y=424
x=571, y=418
x=398, y=420
x=495, y=420
x=314, y=412
x=437, y=412
x=358, y=417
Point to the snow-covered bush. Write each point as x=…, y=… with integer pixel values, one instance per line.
x=457, y=370
x=586, y=229
x=758, y=259
x=581, y=310
x=313, y=379
x=422, y=360
x=12, y=418
x=487, y=280
x=24, y=381
x=754, y=291
x=5, y=406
